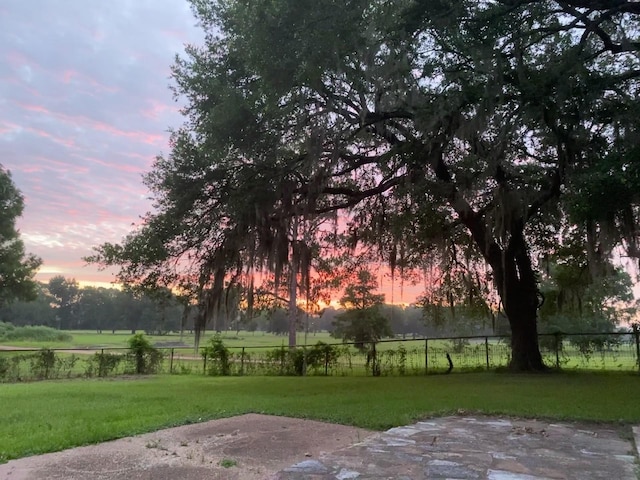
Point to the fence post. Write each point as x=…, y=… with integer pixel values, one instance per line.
x=282, y=360
x=304, y=361
x=171, y=362
x=204, y=367
x=486, y=350
x=326, y=362
x=242, y=362
x=557, y=346
x=636, y=334
x=426, y=356
x=374, y=361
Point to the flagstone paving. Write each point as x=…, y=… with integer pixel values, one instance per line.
x=480, y=448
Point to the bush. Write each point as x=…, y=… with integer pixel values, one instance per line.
x=6, y=328
x=43, y=363
x=38, y=333
x=217, y=356
x=458, y=345
x=102, y=364
x=10, y=367
x=143, y=356
x=278, y=360
x=293, y=362
x=5, y=367
x=322, y=356
x=65, y=365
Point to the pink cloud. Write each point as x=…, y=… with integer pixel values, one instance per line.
x=48, y=163
x=66, y=142
x=35, y=108
x=7, y=128
x=177, y=34
x=67, y=75
x=17, y=59
x=121, y=167
x=156, y=110
x=144, y=137
x=89, y=123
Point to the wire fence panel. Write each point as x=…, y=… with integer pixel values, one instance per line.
x=616, y=351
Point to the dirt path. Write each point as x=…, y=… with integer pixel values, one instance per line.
x=80, y=351
x=247, y=447
x=90, y=351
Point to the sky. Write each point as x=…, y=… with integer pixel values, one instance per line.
x=85, y=107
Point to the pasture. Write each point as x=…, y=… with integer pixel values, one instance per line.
x=90, y=339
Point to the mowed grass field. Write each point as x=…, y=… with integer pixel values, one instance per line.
x=83, y=339
x=53, y=415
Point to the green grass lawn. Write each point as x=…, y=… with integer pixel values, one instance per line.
x=232, y=339
x=49, y=416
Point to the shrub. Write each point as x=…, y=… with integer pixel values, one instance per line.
x=65, y=365
x=43, y=363
x=293, y=362
x=38, y=333
x=458, y=345
x=296, y=363
x=184, y=369
x=102, y=364
x=10, y=367
x=278, y=360
x=5, y=367
x=322, y=356
x=143, y=356
x=218, y=357
x=5, y=328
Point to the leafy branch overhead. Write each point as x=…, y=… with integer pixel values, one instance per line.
x=412, y=125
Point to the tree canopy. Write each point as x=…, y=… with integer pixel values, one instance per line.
x=17, y=268
x=472, y=129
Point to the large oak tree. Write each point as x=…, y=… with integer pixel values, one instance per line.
x=487, y=122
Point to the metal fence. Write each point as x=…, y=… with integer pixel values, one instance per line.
x=613, y=351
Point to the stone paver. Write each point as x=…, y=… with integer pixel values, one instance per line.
x=479, y=448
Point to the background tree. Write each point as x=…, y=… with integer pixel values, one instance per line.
x=17, y=268
x=65, y=293
x=422, y=123
x=362, y=322
x=575, y=299
x=33, y=312
x=62, y=303
x=278, y=321
x=96, y=308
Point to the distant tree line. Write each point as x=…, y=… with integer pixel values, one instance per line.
x=62, y=303
x=571, y=305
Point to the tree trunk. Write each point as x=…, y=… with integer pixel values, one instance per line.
x=293, y=301
x=521, y=311
x=518, y=288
